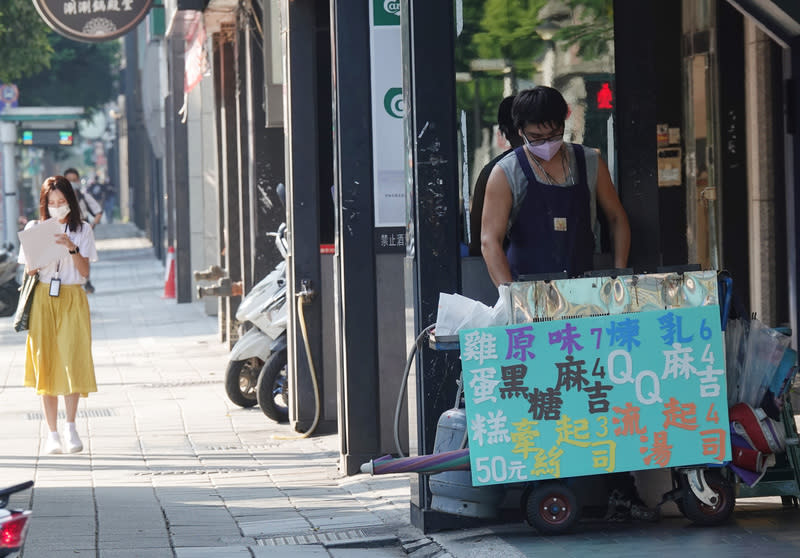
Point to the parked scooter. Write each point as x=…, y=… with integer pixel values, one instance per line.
x=13, y=523
x=257, y=369
x=9, y=286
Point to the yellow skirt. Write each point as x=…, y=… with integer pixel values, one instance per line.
x=58, y=356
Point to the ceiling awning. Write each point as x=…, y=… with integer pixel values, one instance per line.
x=780, y=19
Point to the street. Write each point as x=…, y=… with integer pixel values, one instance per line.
x=171, y=468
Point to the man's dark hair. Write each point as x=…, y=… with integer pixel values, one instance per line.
x=540, y=105
x=504, y=120
x=71, y=170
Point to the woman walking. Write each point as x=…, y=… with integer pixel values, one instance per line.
x=58, y=356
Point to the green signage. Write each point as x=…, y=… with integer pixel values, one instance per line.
x=386, y=12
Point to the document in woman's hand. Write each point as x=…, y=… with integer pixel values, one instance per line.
x=39, y=244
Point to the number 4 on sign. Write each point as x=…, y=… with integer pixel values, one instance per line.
x=708, y=355
x=712, y=415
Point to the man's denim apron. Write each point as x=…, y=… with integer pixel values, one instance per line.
x=553, y=230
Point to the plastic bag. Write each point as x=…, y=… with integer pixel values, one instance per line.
x=765, y=350
x=457, y=312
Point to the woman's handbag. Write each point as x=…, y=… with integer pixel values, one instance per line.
x=22, y=315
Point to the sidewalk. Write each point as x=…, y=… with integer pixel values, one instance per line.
x=170, y=466
x=172, y=469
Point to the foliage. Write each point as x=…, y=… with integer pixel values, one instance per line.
x=81, y=74
x=24, y=46
x=596, y=30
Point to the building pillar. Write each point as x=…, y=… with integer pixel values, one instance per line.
x=432, y=257
x=8, y=139
x=758, y=85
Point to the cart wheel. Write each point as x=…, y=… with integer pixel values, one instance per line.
x=701, y=514
x=552, y=508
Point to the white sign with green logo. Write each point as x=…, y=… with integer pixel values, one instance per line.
x=388, y=143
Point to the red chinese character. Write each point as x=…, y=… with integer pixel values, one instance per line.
x=714, y=443
x=680, y=416
x=629, y=420
x=661, y=452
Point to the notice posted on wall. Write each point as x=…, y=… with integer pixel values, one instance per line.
x=595, y=395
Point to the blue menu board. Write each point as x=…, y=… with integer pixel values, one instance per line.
x=595, y=395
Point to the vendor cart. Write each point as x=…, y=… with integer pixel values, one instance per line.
x=605, y=375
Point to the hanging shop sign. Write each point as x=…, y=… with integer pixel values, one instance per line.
x=92, y=20
x=595, y=395
x=388, y=152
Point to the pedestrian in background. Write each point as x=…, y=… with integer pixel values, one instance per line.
x=505, y=130
x=58, y=353
x=89, y=207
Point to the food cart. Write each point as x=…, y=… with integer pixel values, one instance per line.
x=608, y=374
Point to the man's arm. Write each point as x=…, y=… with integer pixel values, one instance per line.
x=95, y=208
x=494, y=223
x=609, y=202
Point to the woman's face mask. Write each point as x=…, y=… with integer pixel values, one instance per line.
x=58, y=212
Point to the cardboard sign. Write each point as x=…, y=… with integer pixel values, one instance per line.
x=595, y=395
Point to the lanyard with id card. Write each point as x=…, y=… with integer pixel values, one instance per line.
x=55, y=282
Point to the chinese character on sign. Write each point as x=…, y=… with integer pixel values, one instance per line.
x=478, y=429
x=678, y=362
x=571, y=374
x=483, y=384
x=629, y=420
x=661, y=452
x=99, y=5
x=112, y=5
x=573, y=432
x=127, y=5
x=524, y=437
x=545, y=405
x=517, y=469
x=709, y=381
x=547, y=463
x=604, y=457
x=479, y=346
x=70, y=7
x=512, y=381
x=624, y=333
x=714, y=443
x=672, y=329
x=519, y=341
x=567, y=337
x=497, y=431
x=598, y=397
x=84, y=6
x=679, y=416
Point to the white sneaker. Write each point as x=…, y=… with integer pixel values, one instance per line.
x=74, y=444
x=52, y=444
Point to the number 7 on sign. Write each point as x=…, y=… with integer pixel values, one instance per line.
x=599, y=332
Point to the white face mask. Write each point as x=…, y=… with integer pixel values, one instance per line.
x=58, y=212
x=545, y=151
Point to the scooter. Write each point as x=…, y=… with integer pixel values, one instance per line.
x=13, y=523
x=257, y=368
x=9, y=286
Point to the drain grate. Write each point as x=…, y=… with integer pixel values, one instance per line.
x=315, y=538
x=87, y=413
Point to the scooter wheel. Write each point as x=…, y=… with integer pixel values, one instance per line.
x=272, y=389
x=552, y=508
x=702, y=514
x=240, y=381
